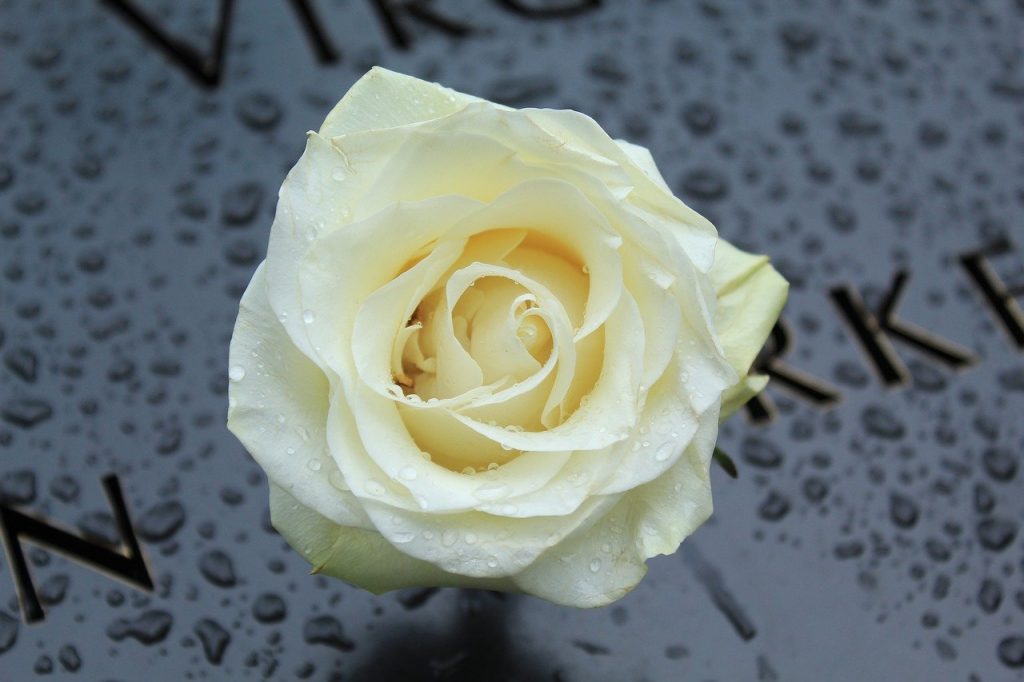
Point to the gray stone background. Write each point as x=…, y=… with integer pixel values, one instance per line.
x=875, y=540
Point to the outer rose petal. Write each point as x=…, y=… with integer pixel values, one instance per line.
x=601, y=563
x=361, y=557
x=385, y=99
x=750, y=296
x=277, y=407
x=642, y=157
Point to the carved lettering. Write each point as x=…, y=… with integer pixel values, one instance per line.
x=997, y=295
x=17, y=527
x=801, y=384
x=389, y=10
x=873, y=332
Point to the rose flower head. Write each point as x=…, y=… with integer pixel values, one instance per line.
x=489, y=348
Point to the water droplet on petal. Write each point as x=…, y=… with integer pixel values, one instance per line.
x=408, y=473
x=663, y=452
x=236, y=373
x=308, y=316
x=336, y=479
x=595, y=565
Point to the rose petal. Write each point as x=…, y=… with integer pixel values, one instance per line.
x=277, y=407
x=495, y=342
x=563, y=355
x=581, y=133
x=597, y=565
x=609, y=405
x=359, y=556
x=737, y=396
x=475, y=543
x=642, y=158
x=562, y=214
x=386, y=99
x=666, y=428
x=381, y=462
x=600, y=563
x=350, y=261
x=310, y=204
x=751, y=295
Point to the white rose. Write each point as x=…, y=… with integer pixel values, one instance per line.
x=489, y=348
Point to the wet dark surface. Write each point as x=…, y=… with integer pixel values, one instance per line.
x=873, y=536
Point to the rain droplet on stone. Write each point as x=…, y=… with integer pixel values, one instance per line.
x=269, y=608
x=326, y=630
x=150, y=627
x=161, y=521
x=217, y=567
x=214, y=638
x=996, y=534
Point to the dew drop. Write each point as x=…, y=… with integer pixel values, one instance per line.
x=236, y=373
x=314, y=464
x=595, y=565
x=408, y=473
x=449, y=537
x=336, y=479
x=374, y=487
x=308, y=316
x=663, y=452
x=470, y=538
